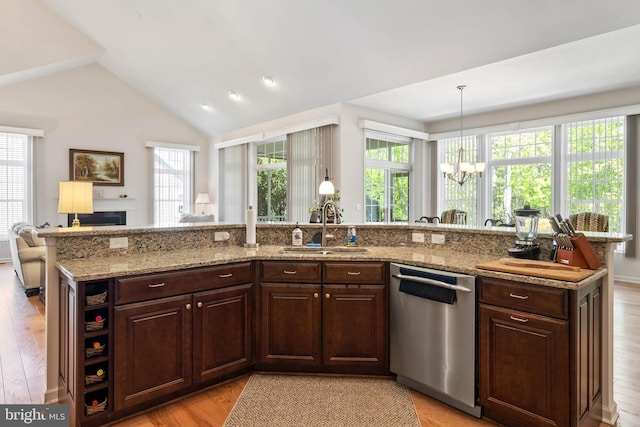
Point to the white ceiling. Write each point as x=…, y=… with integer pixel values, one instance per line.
x=404, y=57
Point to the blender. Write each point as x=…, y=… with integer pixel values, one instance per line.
x=527, y=231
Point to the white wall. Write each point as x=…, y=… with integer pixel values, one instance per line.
x=90, y=108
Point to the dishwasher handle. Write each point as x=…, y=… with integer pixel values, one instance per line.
x=432, y=282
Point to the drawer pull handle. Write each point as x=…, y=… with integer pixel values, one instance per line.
x=353, y=273
x=156, y=285
x=519, y=296
x=290, y=272
x=224, y=276
x=519, y=319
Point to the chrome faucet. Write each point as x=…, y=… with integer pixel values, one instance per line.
x=324, y=219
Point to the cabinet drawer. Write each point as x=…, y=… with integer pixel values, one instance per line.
x=521, y=296
x=152, y=286
x=354, y=272
x=299, y=272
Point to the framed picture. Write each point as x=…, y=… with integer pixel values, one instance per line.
x=99, y=167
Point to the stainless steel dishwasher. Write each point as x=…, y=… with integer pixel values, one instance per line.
x=433, y=334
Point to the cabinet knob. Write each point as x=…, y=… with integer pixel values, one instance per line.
x=199, y=304
x=188, y=306
x=316, y=295
x=327, y=295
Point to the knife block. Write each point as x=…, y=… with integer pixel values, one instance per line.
x=582, y=254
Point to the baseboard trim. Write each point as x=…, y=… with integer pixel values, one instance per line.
x=51, y=396
x=610, y=414
x=626, y=279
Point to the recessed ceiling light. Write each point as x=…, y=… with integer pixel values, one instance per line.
x=206, y=106
x=233, y=95
x=268, y=80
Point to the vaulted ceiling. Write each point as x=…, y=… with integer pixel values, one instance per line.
x=404, y=57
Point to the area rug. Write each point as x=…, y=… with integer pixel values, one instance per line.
x=322, y=401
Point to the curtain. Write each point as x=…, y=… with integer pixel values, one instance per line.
x=309, y=153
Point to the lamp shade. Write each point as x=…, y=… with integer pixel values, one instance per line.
x=202, y=198
x=76, y=197
x=326, y=186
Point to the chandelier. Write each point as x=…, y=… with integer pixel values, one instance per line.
x=462, y=171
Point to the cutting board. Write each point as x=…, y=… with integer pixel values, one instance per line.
x=540, y=270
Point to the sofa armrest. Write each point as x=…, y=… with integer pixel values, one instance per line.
x=31, y=254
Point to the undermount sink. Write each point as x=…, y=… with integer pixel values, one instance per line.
x=323, y=250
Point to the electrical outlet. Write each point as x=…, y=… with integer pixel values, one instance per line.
x=118, y=243
x=438, y=239
x=417, y=237
x=221, y=235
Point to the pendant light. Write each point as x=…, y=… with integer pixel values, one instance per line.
x=326, y=186
x=461, y=171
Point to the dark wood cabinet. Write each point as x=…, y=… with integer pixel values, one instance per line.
x=222, y=328
x=290, y=325
x=354, y=327
x=153, y=349
x=128, y=343
x=309, y=326
x=524, y=367
x=539, y=353
x=85, y=364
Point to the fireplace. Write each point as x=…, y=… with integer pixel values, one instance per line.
x=100, y=218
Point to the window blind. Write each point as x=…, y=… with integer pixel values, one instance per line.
x=172, y=184
x=16, y=168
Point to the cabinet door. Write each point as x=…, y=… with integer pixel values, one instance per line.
x=152, y=355
x=290, y=325
x=221, y=332
x=524, y=367
x=354, y=330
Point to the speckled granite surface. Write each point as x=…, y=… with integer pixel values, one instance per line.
x=153, y=262
x=84, y=253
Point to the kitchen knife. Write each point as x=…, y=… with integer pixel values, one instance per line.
x=572, y=231
x=554, y=224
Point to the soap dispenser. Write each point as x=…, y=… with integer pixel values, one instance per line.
x=296, y=236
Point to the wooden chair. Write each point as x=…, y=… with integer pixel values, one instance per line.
x=450, y=216
x=429, y=219
x=590, y=221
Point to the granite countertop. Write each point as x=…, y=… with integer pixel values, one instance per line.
x=154, y=262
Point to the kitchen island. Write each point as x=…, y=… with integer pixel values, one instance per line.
x=85, y=256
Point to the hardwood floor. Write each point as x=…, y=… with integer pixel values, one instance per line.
x=22, y=368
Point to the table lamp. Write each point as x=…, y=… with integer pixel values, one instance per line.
x=202, y=199
x=76, y=197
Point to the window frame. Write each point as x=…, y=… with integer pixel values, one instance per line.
x=388, y=166
x=269, y=167
x=188, y=175
x=28, y=163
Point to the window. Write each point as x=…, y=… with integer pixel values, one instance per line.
x=271, y=171
x=16, y=169
x=172, y=183
x=585, y=157
x=387, y=170
x=461, y=197
x=595, y=168
x=520, y=169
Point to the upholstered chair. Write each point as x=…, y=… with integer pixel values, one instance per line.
x=450, y=216
x=590, y=221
